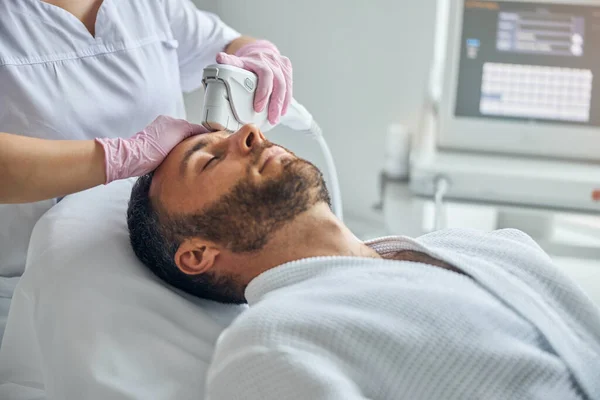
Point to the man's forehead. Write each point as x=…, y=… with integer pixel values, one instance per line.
x=179, y=157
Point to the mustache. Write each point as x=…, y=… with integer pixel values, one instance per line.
x=257, y=151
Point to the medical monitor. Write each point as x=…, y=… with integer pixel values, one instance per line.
x=522, y=77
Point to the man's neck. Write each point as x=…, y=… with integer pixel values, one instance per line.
x=315, y=233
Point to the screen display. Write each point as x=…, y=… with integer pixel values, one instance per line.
x=532, y=61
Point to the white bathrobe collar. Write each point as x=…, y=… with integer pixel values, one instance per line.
x=299, y=270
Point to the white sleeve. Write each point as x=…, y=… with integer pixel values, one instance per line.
x=260, y=373
x=201, y=35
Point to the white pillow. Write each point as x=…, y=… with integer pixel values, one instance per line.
x=89, y=321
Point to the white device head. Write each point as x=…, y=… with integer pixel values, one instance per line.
x=228, y=99
x=229, y=102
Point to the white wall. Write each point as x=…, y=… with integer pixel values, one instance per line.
x=359, y=65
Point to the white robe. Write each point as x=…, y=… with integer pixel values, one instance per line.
x=351, y=328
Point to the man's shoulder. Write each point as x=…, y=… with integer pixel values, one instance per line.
x=264, y=324
x=500, y=247
x=456, y=236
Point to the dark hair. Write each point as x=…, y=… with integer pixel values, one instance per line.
x=155, y=242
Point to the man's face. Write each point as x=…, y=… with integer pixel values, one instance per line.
x=237, y=188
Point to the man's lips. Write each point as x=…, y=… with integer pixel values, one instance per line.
x=269, y=155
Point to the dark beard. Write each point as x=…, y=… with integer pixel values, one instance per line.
x=245, y=219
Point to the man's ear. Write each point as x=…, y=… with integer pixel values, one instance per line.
x=196, y=256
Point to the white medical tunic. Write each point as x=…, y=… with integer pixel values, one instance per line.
x=57, y=81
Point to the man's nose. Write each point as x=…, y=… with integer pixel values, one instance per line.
x=246, y=138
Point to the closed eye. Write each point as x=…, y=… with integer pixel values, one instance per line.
x=209, y=162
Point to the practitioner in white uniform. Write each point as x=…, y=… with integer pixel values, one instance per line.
x=86, y=69
x=455, y=314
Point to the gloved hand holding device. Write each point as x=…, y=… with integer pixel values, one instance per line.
x=274, y=73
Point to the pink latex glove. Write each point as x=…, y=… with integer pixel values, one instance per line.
x=143, y=153
x=274, y=73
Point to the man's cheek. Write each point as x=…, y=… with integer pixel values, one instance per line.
x=223, y=180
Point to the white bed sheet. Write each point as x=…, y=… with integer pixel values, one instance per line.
x=7, y=287
x=88, y=321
